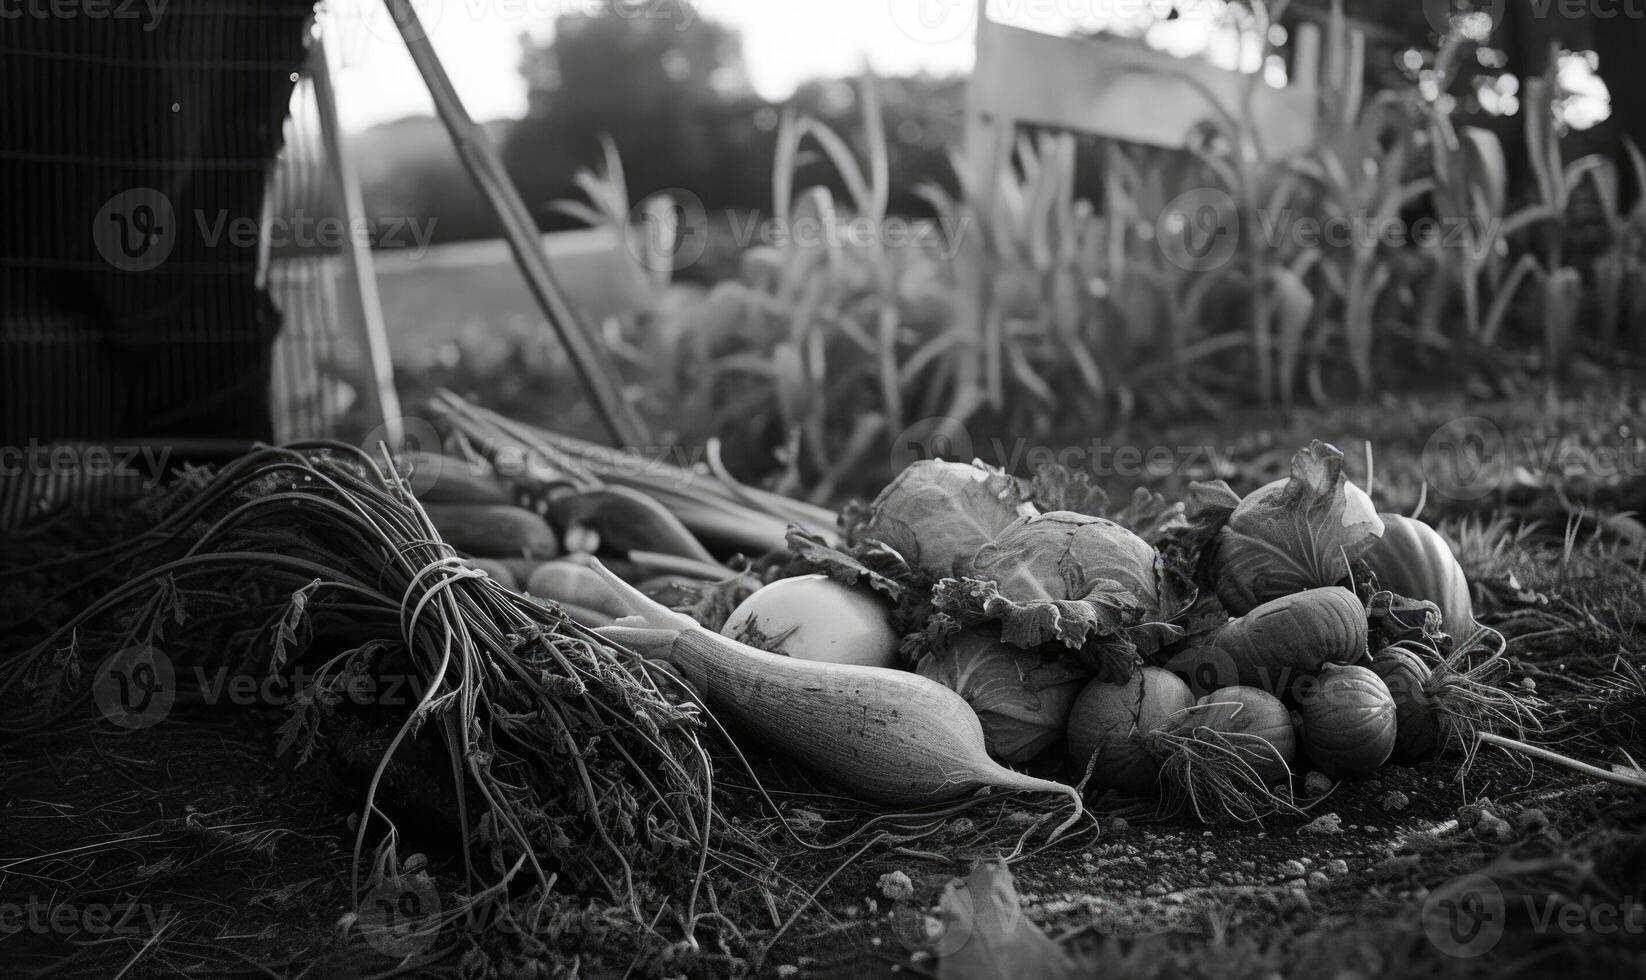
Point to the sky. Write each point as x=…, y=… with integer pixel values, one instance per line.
x=785, y=42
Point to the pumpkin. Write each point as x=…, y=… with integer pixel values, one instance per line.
x=1255, y=722
x=1111, y=722
x=1421, y=730
x=1413, y=560
x=1349, y=721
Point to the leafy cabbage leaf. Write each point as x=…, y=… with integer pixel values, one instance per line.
x=1295, y=534
x=1023, y=698
x=1083, y=582
x=936, y=515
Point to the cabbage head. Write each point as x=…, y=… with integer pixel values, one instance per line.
x=1084, y=582
x=1295, y=534
x=936, y=515
x=1022, y=698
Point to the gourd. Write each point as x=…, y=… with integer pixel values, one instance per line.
x=1449, y=701
x=435, y=478
x=813, y=617
x=583, y=595
x=1414, y=561
x=1421, y=731
x=1278, y=645
x=1110, y=723
x=1254, y=722
x=1349, y=722
x=494, y=530
x=890, y=736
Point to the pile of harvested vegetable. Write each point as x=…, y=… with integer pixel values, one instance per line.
x=615, y=664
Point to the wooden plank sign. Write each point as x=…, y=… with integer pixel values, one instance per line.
x=1120, y=89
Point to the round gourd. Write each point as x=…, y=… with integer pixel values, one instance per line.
x=1413, y=560
x=813, y=617
x=1420, y=729
x=1349, y=722
x=1247, y=711
x=1111, y=722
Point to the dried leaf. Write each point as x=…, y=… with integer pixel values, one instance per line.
x=986, y=936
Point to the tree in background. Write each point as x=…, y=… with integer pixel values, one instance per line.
x=666, y=84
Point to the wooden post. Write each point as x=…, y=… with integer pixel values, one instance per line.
x=358, y=253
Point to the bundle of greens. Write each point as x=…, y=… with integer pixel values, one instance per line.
x=580, y=771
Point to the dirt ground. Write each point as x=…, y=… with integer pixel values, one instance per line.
x=190, y=849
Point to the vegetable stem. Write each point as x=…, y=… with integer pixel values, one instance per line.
x=1635, y=779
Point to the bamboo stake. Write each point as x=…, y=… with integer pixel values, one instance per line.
x=594, y=367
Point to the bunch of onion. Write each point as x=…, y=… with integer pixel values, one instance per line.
x=576, y=764
x=1219, y=757
x=1449, y=701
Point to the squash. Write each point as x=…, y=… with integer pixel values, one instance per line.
x=1110, y=724
x=1222, y=755
x=438, y=479
x=1255, y=722
x=1448, y=701
x=583, y=595
x=627, y=520
x=1421, y=731
x=494, y=531
x=890, y=736
x=813, y=617
x=1277, y=646
x=1414, y=561
x=1349, y=722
